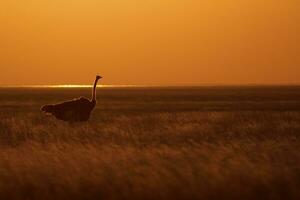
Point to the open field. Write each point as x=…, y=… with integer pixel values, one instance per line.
x=153, y=143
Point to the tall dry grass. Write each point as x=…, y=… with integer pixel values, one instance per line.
x=159, y=155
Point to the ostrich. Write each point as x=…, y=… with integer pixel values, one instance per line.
x=74, y=110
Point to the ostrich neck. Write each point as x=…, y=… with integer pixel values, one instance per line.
x=94, y=91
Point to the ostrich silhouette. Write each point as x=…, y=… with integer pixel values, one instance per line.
x=75, y=110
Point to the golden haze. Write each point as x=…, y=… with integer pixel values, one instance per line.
x=149, y=42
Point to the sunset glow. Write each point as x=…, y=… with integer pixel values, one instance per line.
x=158, y=42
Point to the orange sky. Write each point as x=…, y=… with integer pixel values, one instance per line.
x=165, y=42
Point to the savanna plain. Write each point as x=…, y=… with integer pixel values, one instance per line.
x=153, y=143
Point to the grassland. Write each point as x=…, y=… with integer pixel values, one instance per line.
x=159, y=143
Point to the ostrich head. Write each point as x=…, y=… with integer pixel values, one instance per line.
x=94, y=89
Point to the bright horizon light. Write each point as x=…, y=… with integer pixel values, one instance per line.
x=70, y=86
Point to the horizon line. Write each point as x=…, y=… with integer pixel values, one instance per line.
x=143, y=86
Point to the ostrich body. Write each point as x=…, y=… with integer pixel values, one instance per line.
x=74, y=110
